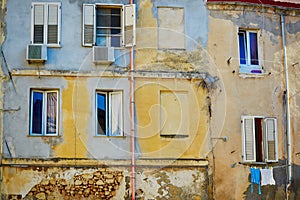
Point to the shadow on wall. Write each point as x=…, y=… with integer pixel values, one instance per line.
x=276, y=192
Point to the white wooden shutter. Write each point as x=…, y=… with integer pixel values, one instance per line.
x=128, y=25
x=38, y=24
x=116, y=113
x=248, y=134
x=88, y=26
x=54, y=12
x=271, y=150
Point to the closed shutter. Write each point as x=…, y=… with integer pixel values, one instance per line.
x=88, y=25
x=128, y=28
x=271, y=140
x=53, y=23
x=116, y=110
x=38, y=23
x=248, y=132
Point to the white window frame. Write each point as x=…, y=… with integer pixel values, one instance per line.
x=264, y=139
x=44, y=109
x=128, y=18
x=248, y=67
x=45, y=36
x=108, y=108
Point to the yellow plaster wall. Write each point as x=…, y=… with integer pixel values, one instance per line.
x=147, y=95
x=244, y=96
x=146, y=32
x=75, y=118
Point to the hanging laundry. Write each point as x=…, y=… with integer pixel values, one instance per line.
x=267, y=177
x=255, y=178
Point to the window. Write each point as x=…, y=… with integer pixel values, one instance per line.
x=171, y=34
x=259, y=139
x=174, y=118
x=46, y=23
x=108, y=25
x=44, y=112
x=109, y=107
x=248, y=47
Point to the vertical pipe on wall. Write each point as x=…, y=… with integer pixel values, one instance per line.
x=288, y=123
x=132, y=122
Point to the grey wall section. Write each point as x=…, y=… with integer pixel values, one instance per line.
x=16, y=123
x=195, y=29
x=109, y=147
x=70, y=55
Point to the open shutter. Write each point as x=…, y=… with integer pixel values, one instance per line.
x=116, y=110
x=128, y=26
x=248, y=134
x=271, y=140
x=53, y=24
x=38, y=23
x=88, y=25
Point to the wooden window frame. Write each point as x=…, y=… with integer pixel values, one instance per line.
x=246, y=146
x=248, y=67
x=108, y=114
x=128, y=19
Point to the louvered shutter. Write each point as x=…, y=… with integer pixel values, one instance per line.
x=271, y=140
x=88, y=26
x=53, y=23
x=38, y=23
x=128, y=28
x=248, y=133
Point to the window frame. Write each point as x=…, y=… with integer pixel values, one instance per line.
x=127, y=18
x=108, y=37
x=44, y=112
x=265, y=145
x=108, y=113
x=248, y=67
x=46, y=24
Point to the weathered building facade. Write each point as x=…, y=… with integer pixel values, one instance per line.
x=149, y=99
x=254, y=45
x=107, y=100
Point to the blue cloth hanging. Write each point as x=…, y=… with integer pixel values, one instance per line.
x=255, y=178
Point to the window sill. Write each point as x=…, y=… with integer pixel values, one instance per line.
x=175, y=136
x=43, y=135
x=257, y=163
x=252, y=75
x=53, y=46
x=251, y=71
x=110, y=137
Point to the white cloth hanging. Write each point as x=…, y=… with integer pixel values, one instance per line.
x=267, y=177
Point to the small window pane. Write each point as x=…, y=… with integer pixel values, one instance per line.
x=253, y=48
x=51, y=112
x=115, y=41
x=242, y=45
x=37, y=112
x=101, y=114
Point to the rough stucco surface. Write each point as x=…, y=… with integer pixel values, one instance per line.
x=104, y=182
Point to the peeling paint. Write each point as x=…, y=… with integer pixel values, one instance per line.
x=75, y=119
